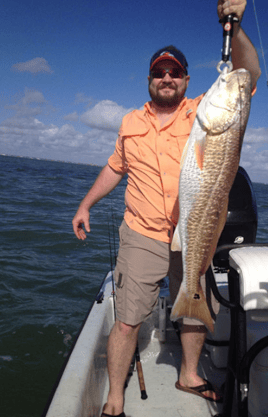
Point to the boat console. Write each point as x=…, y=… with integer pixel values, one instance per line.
x=242, y=218
x=243, y=290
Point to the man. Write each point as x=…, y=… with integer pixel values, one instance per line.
x=149, y=149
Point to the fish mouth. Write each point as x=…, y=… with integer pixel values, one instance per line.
x=221, y=106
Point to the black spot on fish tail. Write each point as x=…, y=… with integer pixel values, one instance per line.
x=194, y=307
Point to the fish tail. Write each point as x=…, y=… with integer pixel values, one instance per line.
x=192, y=307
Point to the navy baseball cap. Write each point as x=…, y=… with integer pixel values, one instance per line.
x=172, y=54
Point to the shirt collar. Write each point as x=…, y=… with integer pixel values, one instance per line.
x=182, y=110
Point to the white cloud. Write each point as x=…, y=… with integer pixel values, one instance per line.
x=33, y=96
x=263, y=148
x=31, y=137
x=35, y=66
x=26, y=134
x=72, y=117
x=29, y=105
x=22, y=124
x=254, y=156
x=259, y=135
x=82, y=98
x=105, y=115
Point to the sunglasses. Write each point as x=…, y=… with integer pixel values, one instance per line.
x=173, y=73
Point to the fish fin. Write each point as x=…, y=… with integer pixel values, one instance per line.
x=200, y=151
x=217, y=234
x=184, y=152
x=176, y=240
x=195, y=308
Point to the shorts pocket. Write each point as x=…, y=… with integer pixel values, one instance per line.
x=121, y=270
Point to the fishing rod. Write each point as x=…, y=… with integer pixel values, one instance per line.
x=136, y=357
x=227, y=39
x=262, y=50
x=112, y=269
x=140, y=374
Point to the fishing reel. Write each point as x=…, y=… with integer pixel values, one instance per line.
x=227, y=40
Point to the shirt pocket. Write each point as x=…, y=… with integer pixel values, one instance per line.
x=132, y=149
x=180, y=132
x=134, y=134
x=181, y=142
x=139, y=148
x=176, y=146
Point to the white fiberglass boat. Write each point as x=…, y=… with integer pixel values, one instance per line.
x=243, y=268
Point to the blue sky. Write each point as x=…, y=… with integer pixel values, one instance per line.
x=70, y=71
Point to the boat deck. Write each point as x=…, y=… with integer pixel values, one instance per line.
x=160, y=363
x=83, y=387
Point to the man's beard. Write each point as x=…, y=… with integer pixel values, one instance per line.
x=165, y=101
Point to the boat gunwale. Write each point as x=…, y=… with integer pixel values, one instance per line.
x=106, y=287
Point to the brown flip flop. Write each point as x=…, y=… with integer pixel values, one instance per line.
x=199, y=389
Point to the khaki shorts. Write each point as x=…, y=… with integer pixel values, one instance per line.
x=142, y=263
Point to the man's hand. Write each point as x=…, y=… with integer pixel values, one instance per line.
x=81, y=217
x=226, y=7
x=106, y=181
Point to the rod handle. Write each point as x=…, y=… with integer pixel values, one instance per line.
x=140, y=374
x=141, y=381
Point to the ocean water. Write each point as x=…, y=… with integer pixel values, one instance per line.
x=49, y=279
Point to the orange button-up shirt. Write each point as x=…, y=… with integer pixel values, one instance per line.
x=151, y=155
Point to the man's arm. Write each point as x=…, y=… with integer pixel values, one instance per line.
x=107, y=180
x=244, y=55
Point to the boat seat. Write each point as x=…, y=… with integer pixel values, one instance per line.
x=248, y=294
x=251, y=263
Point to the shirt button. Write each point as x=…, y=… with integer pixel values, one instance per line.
x=168, y=195
x=161, y=153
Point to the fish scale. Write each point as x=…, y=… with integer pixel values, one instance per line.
x=209, y=165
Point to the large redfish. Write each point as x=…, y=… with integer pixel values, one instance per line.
x=209, y=165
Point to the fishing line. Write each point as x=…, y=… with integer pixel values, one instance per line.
x=112, y=267
x=113, y=250
x=240, y=112
x=115, y=233
x=262, y=50
x=114, y=256
x=110, y=246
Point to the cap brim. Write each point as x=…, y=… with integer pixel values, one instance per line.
x=167, y=58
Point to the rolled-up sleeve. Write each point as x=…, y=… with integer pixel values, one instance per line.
x=117, y=160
